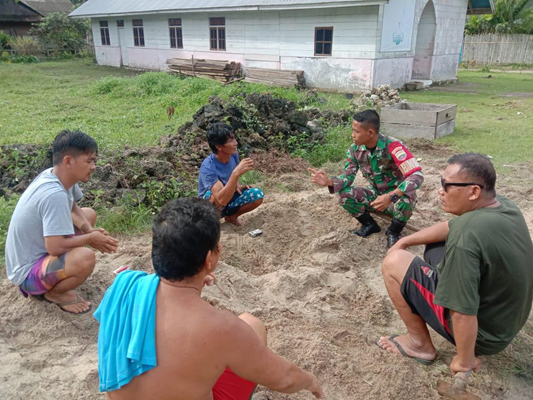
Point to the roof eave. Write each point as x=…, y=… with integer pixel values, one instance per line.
x=229, y=9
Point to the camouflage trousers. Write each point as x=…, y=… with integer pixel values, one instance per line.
x=356, y=200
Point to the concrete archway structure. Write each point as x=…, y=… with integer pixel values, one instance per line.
x=425, y=43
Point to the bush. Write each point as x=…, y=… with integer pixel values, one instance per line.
x=110, y=84
x=5, y=41
x=24, y=59
x=60, y=32
x=26, y=46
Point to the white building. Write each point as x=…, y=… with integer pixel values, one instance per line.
x=341, y=44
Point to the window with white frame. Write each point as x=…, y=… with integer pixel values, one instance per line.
x=104, y=33
x=176, y=34
x=217, y=33
x=138, y=33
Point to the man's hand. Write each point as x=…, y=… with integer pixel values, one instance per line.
x=456, y=365
x=91, y=229
x=242, y=188
x=315, y=388
x=382, y=202
x=102, y=242
x=244, y=166
x=320, y=178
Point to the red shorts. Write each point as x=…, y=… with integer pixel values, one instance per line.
x=232, y=387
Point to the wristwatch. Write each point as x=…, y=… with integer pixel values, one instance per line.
x=394, y=197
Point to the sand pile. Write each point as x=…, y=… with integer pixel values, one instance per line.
x=318, y=289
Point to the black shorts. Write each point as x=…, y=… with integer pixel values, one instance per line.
x=418, y=290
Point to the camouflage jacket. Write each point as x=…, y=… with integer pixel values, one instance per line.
x=391, y=166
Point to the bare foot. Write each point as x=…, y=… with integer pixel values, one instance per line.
x=411, y=347
x=233, y=220
x=78, y=305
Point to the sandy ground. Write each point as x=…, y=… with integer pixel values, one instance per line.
x=318, y=289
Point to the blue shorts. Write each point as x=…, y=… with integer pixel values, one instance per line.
x=238, y=200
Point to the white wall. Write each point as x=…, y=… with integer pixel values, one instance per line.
x=451, y=17
x=261, y=39
x=285, y=40
x=392, y=68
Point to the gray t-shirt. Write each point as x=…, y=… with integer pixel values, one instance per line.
x=44, y=209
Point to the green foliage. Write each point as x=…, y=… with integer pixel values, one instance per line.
x=26, y=46
x=5, y=40
x=6, y=210
x=125, y=219
x=510, y=16
x=338, y=140
x=251, y=178
x=24, y=59
x=109, y=84
x=58, y=31
x=158, y=193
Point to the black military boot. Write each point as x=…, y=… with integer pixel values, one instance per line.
x=369, y=226
x=394, y=232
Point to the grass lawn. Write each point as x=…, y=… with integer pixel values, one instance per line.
x=115, y=106
x=488, y=119
x=123, y=107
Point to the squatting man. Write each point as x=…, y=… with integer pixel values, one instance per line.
x=392, y=172
x=475, y=284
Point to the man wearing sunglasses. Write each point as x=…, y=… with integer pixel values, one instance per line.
x=475, y=284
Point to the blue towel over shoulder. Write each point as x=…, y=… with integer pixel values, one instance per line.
x=126, y=339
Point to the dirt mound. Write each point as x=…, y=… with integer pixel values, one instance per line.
x=263, y=123
x=19, y=164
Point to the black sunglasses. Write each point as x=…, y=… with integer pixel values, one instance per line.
x=445, y=184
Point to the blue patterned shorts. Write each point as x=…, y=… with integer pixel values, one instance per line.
x=238, y=200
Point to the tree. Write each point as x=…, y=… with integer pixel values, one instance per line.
x=58, y=31
x=510, y=16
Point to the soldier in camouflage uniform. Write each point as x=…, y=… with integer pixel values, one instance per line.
x=393, y=174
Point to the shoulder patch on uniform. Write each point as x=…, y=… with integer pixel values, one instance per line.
x=404, y=159
x=399, y=153
x=409, y=166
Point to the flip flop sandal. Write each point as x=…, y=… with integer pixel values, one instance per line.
x=403, y=353
x=77, y=300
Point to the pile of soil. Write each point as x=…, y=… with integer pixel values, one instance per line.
x=262, y=122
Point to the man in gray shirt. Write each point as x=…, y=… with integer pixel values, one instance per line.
x=45, y=247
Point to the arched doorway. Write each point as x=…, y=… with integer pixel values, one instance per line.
x=425, y=43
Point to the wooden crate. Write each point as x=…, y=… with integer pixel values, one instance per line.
x=420, y=120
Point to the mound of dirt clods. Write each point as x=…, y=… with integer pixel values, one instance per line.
x=263, y=123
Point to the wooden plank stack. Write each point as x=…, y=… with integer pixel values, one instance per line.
x=275, y=77
x=220, y=70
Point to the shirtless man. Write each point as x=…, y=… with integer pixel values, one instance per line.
x=45, y=247
x=194, y=351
